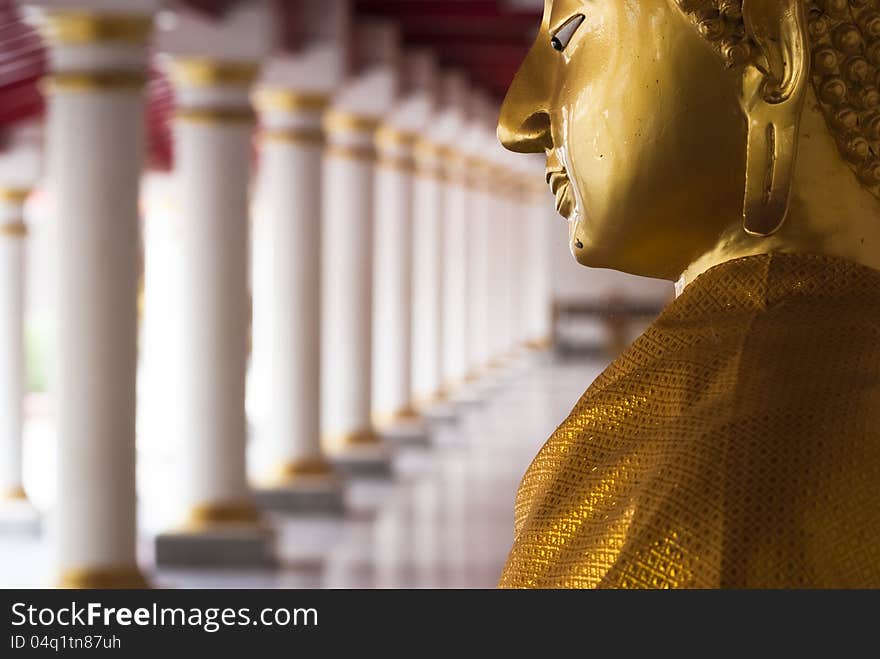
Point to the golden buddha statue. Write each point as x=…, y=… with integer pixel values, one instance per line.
x=732, y=146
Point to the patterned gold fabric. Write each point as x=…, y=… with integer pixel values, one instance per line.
x=735, y=444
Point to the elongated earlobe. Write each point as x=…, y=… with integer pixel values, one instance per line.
x=770, y=161
x=773, y=99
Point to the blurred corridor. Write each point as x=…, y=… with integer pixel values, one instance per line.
x=445, y=521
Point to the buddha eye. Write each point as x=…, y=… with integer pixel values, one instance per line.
x=559, y=41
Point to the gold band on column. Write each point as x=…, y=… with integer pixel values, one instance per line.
x=72, y=28
x=91, y=81
x=297, y=470
x=388, y=136
x=14, y=230
x=367, y=437
x=425, y=402
x=427, y=159
x=540, y=344
x=201, y=72
x=336, y=121
x=216, y=115
x=205, y=515
x=453, y=165
x=363, y=153
x=127, y=577
x=395, y=148
x=273, y=99
x=16, y=493
x=399, y=163
x=383, y=419
x=479, y=173
x=426, y=150
x=309, y=136
x=16, y=196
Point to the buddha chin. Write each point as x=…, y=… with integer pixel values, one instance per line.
x=727, y=145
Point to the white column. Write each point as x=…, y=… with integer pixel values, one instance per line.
x=213, y=127
x=13, y=233
x=479, y=257
x=426, y=249
x=455, y=269
x=95, y=142
x=292, y=142
x=393, y=283
x=347, y=281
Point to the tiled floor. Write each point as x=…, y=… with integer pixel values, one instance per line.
x=445, y=521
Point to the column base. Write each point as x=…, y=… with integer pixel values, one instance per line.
x=364, y=459
x=110, y=578
x=407, y=432
x=471, y=395
x=219, y=546
x=441, y=411
x=230, y=534
x=316, y=494
x=17, y=515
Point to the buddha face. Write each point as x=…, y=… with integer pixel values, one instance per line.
x=642, y=128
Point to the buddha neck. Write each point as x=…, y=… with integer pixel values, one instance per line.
x=830, y=213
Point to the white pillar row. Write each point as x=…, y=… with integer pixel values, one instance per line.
x=295, y=92
x=96, y=107
x=13, y=234
x=447, y=133
x=393, y=404
x=347, y=245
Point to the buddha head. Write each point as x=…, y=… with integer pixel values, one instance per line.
x=687, y=132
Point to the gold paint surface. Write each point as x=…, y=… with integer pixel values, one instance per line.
x=736, y=444
x=78, y=28
x=115, y=578
x=658, y=149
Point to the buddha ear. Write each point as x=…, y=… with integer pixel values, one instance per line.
x=774, y=90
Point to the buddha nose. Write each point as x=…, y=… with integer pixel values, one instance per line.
x=524, y=122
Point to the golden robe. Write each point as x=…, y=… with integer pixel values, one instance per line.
x=735, y=444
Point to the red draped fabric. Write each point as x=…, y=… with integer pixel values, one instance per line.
x=23, y=60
